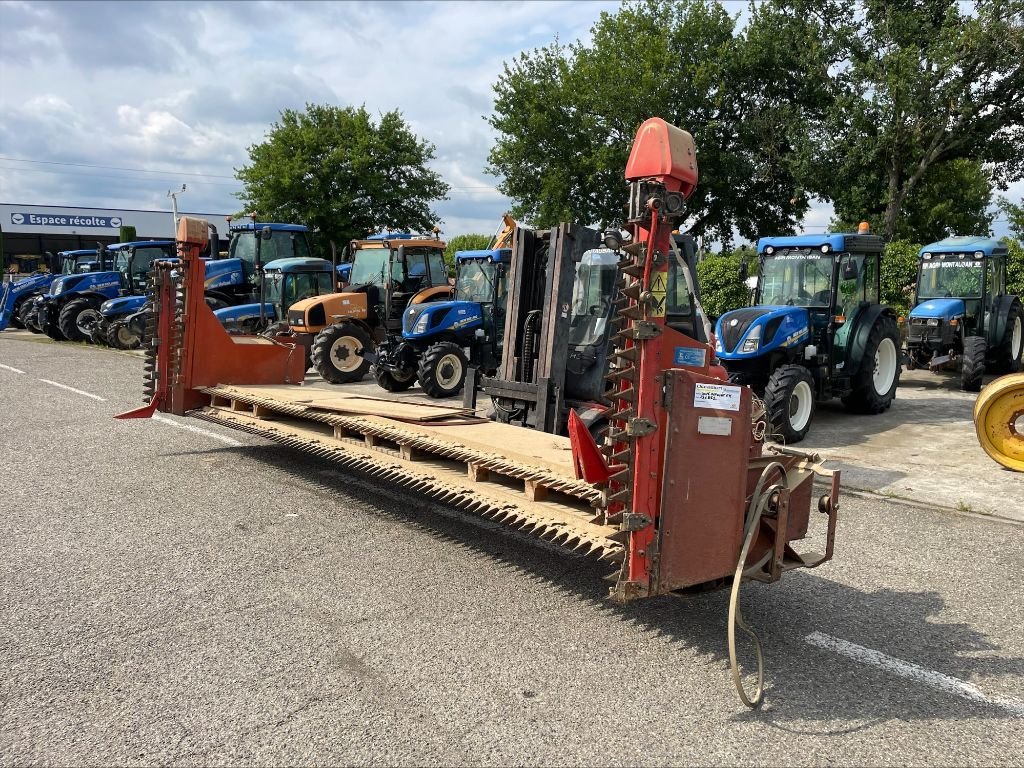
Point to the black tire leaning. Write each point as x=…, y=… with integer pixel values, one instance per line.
x=789, y=385
x=434, y=375
x=1008, y=359
x=864, y=396
x=392, y=383
x=972, y=365
x=325, y=344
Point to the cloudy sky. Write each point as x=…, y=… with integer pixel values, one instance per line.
x=94, y=93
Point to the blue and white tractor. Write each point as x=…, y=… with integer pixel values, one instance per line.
x=112, y=324
x=817, y=330
x=962, y=316
x=18, y=299
x=440, y=339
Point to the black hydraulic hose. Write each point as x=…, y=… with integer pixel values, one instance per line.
x=529, y=344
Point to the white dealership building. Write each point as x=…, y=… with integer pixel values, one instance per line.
x=33, y=230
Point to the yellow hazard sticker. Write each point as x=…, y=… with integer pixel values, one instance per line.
x=659, y=287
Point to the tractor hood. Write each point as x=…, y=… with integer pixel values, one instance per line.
x=944, y=309
x=753, y=331
x=224, y=272
x=97, y=282
x=124, y=305
x=243, y=312
x=439, y=316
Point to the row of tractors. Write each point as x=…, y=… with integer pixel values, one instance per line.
x=817, y=329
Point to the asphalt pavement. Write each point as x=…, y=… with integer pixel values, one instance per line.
x=172, y=592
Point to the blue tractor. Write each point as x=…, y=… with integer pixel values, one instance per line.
x=817, y=330
x=132, y=261
x=17, y=299
x=962, y=314
x=441, y=339
x=284, y=282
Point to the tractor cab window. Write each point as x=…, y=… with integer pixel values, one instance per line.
x=950, y=275
x=851, y=288
x=476, y=282
x=273, y=284
x=797, y=277
x=74, y=265
x=677, y=296
x=370, y=267
x=281, y=245
x=994, y=277
x=438, y=269
x=592, y=292
x=302, y=285
x=142, y=263
x=423, y=268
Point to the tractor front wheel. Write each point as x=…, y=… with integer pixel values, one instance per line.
x=121, y=335
x=67, y=320
x=393, y=382
x=442, y=369
x=338, y=353
x=789, y=400
x=1009, y=352
x=972, y=366
x=27, y=316
x=874, y=385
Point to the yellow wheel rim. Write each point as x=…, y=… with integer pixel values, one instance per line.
x=998, y=411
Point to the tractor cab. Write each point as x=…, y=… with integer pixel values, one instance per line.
x=284, y=282
x=78, y=262
x=252, y=245
x=962, y=315
x=134, y=260
x=817, y=329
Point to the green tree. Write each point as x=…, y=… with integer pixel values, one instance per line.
x=899, y=275
x=471, y=242
x=127, y=233
x=721, y=286
x=337, y=170
x=566, y=116
x=1014, y=215
x=925, y=84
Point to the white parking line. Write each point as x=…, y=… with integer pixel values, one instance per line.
x=197, y=430
x=914, y=672
x=11, y=368
x=76, y=391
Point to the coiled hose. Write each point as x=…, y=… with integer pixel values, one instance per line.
x=758, y=504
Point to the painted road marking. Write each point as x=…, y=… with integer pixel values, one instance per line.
x=197, y=430
x=11, y=368
x=914, y=672
x=76, y=391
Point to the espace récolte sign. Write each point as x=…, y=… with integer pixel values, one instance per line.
x=22, y=218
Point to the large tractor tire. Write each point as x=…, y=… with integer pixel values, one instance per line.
x=122, y=335
x=393, y=383
x=27, y=316
x=73, y=316
x=338, y=353
x=52, y=326
x=874, y=385
x=972, y=366
x=16, y=321
x=442, y=369
x=789, y=400
x=1011, y=348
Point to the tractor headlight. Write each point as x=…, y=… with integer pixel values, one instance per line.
x=421, y=323
x=58, y=286
x=753, y=340
x=933, y=321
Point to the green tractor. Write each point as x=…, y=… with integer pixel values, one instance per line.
x=962, y=315
x=817, y=330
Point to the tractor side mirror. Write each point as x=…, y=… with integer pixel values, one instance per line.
x=744, y=270
x=266, y=234
x=850, y=270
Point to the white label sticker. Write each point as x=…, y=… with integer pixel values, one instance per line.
x=714, y=425
x=718, y=396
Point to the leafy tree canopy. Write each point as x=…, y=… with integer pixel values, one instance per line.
x=929, y=94
x=337, y=170
x=471, y=242
x=566, y=116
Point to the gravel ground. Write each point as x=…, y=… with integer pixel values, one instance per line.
x=174, y=596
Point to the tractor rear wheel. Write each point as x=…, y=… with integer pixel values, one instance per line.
x=972, y=366
x=789, y=400
x=874, y=385
x=121, y=335
x=392, y=383
x=67, y=320
x=442, y=369
x=338, y=353
x=1008, y=353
